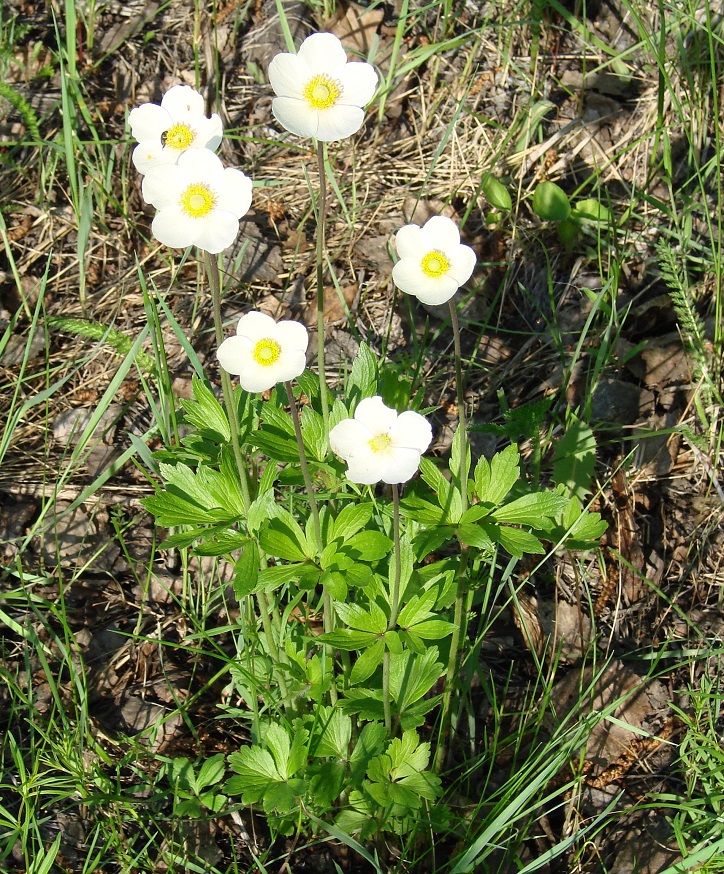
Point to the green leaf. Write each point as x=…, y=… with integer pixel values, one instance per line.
x=211, y=772
x=282, y=537
x=220, y=543
x=574, y=461
x=335, y=584
x=313, y=433
x=246, y=571
x=351, y=519
x=433, y=629
x=459, y=471
x=261, y=510
x=256, y=771
x=495, y=478
x=579, y=529
x=373, y=619
x=362, y=380
x=496, y=193
x=412, y=676
x=336, y=734
x=344, y=638
x=550, y=202
x=370, y=743
x=530, y=509
x=593, y=210
x=447, y=495
x=206, y=413
x=517, y=542
x=420, y=510
x=367, y=546
x=367, y=663
x=475, y=535
x=417, y=609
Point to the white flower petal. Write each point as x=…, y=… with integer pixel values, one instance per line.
x=296, y=116
x=162, y=185
x=234, y=192
x=202, y=165
x=348, y=437
x=234, y=355
x=462, y=263
x=411, y=431
x=149, y=154
x=292, y=335
x=255, y=326
x=359, y=83
x=209, y=133
x=441, y=232
x=290, y=365
x=409, y=242
x=375, y=415
x=148, y=122
x=216, y=231
x=172, y=228
x=408, y=277
x=182, y=103
x=364, y=469
x=338, y=122
x=398, y=465
x=288, y=74
x=322, y=53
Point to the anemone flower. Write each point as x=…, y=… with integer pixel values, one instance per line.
x=433, y=262
x=379, y=444
x=199, y=202
x=164, y=132
x=264, y=352
x=320, y=94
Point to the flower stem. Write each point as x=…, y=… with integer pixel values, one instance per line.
x=460, y=614
x=321, y=254
x=394, y=607
x=214, y=277
x=326, y=598
x=305, y=467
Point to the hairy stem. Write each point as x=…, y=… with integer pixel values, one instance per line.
x=394, y=608
x=321, y=254
x=214, y=276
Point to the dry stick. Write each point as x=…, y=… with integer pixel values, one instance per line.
x=459, y=617
x=394, y=607
x=326, y=599
x=321, y=251
x=214, y=276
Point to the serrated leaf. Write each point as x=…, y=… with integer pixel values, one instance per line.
x=530, y=509
x=495, y=478
x=448, y=496
x=574, y=461
x=367, y=663
x=255, y=769
x=335, y=584
x=282, y=537
x=362, y=380
x=433, y=629
x=344, y=638
x=422, y=511
x=313, y=433
x=336, y=733
x=412, y=676
x=417, y=609
x=518, y=542
x=475, y=535
x=458, y=470
x=246, y=571
x=367, y=546
x=372, y=619
x=260, y=511
x=205, y=412
x=221, y=543
x=351, y=519
x=210, y=773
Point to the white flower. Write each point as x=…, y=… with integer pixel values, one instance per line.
x=318, y=93
x=433, y=262
x=264, y=352
x=198, y=201
x=164, y=132
x=378, y=444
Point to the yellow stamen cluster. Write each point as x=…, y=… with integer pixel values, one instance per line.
x=180, y=137
x=435, y=264
x=379, y=443
x=266, y=352
x=322, y=91
x=198, y=200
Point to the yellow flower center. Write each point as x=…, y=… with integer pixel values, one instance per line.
x=198, y=200
x=322, y=91
x=180, y=136
x=379, y=443
x=266, y=352
x=435, y=264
